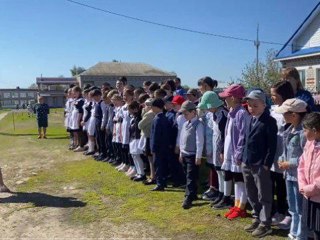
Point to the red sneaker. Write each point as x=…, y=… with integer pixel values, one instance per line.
x=231, y=210
x=237, y=213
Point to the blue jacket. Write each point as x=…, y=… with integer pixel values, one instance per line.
x=306, y=96
x=171, y=116
x=261, y=141
x=160, y=136
x=293, y=144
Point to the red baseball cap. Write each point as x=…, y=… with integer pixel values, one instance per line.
x=234, y=90
x=178, y=100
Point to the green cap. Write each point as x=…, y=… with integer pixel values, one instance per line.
x=210, y=100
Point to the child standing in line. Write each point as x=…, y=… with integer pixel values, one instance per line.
x=191, y=147
x=109, y=127
x=280, y=92
x=87, y=106
x=125, y=116
x=41, y=109
x=258, y=157
x=145, y=126
x=135, y=134
x=159, y=143
x=210, y=102
x=293, y=111
x=233, y=150
x=67, y=116
x=91, y=125
x=309, y=173
x=100, y=114
x=117, y=134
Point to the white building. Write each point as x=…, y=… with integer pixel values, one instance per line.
x=302, y=51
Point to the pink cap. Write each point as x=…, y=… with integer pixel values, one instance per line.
x=234, y=90
x=178, y=100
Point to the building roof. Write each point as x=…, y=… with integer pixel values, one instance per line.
x=289, y=51
x=18, y=89
x=58, y=80
x=125, y=69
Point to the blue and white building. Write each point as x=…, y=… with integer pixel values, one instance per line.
x=302, y=51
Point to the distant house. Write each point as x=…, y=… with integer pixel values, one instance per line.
x=136, y=73
x=52, y=89
x=17, y=97
x=302, y=51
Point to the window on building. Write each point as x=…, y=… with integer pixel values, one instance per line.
x=23, y=95
x=15, y=95
x=31, y=94
x=7, y=102
x=302, y=74
x=16, y=102
x=6, y=95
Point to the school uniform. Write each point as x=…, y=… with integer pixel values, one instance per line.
x=117, y=135
x=125, y=116
x=86, y=114
x=191, y=147
x=99, y=112
x=76, y=112
x=159, y=145
x=175, y=170
x=109, y=131
x=92, y=121
x=259, y=152
x=135, y=151
x=67, y=113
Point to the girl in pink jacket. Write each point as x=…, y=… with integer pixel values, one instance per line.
x=309, y=173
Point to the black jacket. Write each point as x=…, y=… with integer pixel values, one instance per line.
x=261, y=141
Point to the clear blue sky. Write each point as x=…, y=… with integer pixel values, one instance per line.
x=48, y=37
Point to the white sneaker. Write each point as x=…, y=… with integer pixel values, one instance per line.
x=124, y=168
x=285, y=223
x=120, y=166
x=79, y=149
x=290, y=236
x=277, y=218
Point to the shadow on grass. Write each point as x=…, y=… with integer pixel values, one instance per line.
x=18, y=134
x=43, y=200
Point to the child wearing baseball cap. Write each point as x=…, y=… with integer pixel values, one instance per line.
x=293, y=110
x=258, y=156
x=233, y=149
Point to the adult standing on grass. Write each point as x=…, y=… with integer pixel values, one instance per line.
x=3, y=187
x=41, y=109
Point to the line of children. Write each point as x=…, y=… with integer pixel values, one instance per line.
x=250, y=149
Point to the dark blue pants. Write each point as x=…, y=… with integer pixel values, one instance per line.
x=175, y=168
x=192, y=176
x=160, y=163
x=109, y=145
x=101, y=140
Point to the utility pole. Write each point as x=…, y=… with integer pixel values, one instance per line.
x=257, y=45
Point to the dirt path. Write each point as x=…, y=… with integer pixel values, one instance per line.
x=44, y=215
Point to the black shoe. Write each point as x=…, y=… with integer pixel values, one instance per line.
x=218, y=199
x=140, y=178
x=149, y=182
x=225, y=203
x=158, y=188
x=101, y=157
x=178, y=185
x=210, y=195
x=88, y=153
x=187, y=203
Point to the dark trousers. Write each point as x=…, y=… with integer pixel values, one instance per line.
x=109, y=145
x=125, y=154
x=175, y=169
x=279, y=189
x=84, y=138
x=259, y=190
x=117, y=151
x=213, y=177
x=101, y=140
x=192, y=176
x=160, y=163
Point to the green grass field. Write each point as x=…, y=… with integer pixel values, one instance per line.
x=108, y=193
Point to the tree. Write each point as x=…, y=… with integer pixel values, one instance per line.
x=76, y=70
x=33, y=86
x=267, y=73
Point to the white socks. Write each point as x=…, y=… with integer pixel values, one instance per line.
x=240, y=192
x=221, y=181
x=138, y=164
x=227, y=188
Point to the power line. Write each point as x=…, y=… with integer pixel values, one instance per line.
x=171, y=26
